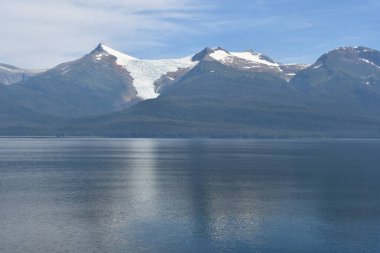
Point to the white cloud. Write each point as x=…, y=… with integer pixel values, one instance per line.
x=43, y=33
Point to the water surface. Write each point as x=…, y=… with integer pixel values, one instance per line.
x=150, y=195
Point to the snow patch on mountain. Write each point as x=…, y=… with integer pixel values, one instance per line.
x=146, y=72
x=370, y=62
x=117, y=54
x=224, y=56
x=220, y=55
x=2, y=67
x=249, y=56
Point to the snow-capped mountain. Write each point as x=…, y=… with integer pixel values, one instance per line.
x=216, y=99
x=250, y=61
x=10, y=74
x=212, y=93
x=106, y=80
x=145, y=73
x=151, y=76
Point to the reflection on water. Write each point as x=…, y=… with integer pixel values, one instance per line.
x=147, y=195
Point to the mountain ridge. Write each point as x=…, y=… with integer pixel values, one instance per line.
x=213, y=93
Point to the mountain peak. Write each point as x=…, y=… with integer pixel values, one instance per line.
x=351, y=49
x=206, y=53
x=98, y=49
x=116, y=53
x=361, y=64
x=354, y=54
x=104, y=50
x=202, y=54
x=221, y=49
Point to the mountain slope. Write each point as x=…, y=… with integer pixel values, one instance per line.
x=16, y=119
x=106, y=80
x=102, y=81
x=83, y=87
x=346, y=79
x=358, y=63
x=212, y=100
x=214, y=93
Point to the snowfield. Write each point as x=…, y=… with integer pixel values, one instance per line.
x=146, y=72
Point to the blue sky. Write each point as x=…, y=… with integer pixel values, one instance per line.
x=43, y=33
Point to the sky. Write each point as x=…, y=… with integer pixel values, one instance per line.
x=44, y=33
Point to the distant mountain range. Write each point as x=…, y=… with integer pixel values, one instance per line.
x=10, y=74
x=214, y=93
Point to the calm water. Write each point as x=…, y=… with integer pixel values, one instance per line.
x=143, y=195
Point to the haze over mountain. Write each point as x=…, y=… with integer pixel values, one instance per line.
x=10, y=74
x=213, y=93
